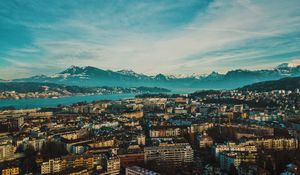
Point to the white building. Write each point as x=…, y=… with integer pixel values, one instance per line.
x=173, y=154
x=136, y=170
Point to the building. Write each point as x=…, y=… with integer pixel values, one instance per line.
x=58, y=165
x=180, y=110
x=238, y=108
x=132, y=159
x=133, y=114
x=103, y=143
x=228, y=159
x=141, y=139
x=247, y=169
x=51, y=166
x=37, y=143
x=77, y=171
x=199, y=128
x=165, y=131
x=204, y=140
x=11, y=171
x=171, y=154
x=6, y=151
x=113, y=165
x=232, y=147
x=274, y=143
x=136, y=170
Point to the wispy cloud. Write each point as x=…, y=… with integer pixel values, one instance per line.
x=151, y=37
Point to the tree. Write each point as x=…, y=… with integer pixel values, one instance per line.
x=53, y=149
x=233, y=170
x=29, y=163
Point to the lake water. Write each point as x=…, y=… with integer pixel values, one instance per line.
x=52, y=102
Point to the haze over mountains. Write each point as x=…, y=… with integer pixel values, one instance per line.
x=92, y=76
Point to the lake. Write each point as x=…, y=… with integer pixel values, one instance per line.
x=52, y=102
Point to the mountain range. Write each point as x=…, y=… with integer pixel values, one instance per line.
x=92, y=76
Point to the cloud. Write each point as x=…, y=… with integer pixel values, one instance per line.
x=153, y=37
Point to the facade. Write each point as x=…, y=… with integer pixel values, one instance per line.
x=113, y=165
x=171, y=154
x=51, y=166
x=102, y=143
x=141, y=139
x=274, y=143
x=61, y=164
x=204, y=140
x=165, y=132
x=11, y=171
x=217, y=149
x=199, y=128
x=136, y=170
x=133, y=114
x=131, y=159
x=6, y=151
x=228, y=159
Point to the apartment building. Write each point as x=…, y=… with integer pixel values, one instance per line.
x=136, y=170
x=171, y=154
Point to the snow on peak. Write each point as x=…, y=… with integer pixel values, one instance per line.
x=288, y=65
x=129, y=73
x=193, y=75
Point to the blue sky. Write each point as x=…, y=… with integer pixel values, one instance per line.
x=150, y=37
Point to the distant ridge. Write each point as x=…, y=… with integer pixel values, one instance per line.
x=26, y=87
x=290, y=83
x=92, y=76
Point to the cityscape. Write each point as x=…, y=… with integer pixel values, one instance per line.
x=93, y=87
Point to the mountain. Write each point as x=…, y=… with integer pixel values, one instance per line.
x=290, y=83
x=91, y=76
x=1, y=80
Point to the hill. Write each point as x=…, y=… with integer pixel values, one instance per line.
x=290, y=83
x=27, y=87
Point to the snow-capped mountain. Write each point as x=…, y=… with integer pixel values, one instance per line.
x=131, y=73
x=287, y=65
x=92, y=76
x=193, y=75
x=1, y=80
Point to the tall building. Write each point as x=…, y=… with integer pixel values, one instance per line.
x=170, y=154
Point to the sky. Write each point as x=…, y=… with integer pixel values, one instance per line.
x=149, y=36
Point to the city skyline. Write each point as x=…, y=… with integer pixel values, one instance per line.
x=181, y=37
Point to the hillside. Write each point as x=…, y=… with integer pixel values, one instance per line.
x=26, y=87
x=290, y=83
